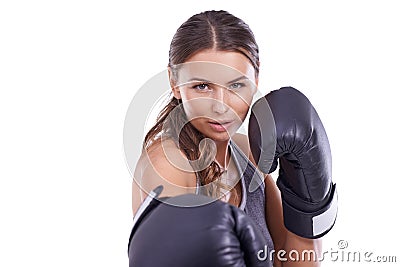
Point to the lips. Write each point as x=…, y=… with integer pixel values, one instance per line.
x=220, y=126
x=221, y=122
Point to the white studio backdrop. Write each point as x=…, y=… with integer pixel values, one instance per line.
x=69, y=69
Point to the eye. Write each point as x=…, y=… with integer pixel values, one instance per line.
x=234, y=86
x=201, y=87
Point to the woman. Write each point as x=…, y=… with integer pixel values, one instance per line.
x=213, y=70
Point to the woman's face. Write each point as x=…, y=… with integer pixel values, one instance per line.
x=216, y=88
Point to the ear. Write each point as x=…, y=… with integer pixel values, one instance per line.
x=175, y=89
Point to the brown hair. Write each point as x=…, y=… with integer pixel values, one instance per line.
x=217, y=30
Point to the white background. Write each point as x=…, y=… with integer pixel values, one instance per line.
x=69, y=69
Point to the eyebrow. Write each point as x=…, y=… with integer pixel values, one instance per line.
x=204, y=80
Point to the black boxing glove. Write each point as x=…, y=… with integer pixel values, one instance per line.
x=309, y=197
x=194, y=230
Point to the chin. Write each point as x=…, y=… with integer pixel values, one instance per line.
x=219, y=137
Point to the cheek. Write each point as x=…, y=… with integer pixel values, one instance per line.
x=241, y=111
x=245, y=96
x=240, y=105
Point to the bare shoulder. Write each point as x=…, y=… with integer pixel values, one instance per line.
x=164, y=164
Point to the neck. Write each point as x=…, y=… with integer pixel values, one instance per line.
x=222, y=155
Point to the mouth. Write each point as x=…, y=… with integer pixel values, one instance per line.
x=220, y=126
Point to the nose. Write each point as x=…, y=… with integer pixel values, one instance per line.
x=219, y=105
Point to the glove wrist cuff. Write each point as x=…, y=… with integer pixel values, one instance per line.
x=311, y=224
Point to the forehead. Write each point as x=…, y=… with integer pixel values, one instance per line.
x=216, y=66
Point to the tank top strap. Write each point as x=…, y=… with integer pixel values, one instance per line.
x=255, y=192
x=254, y=180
